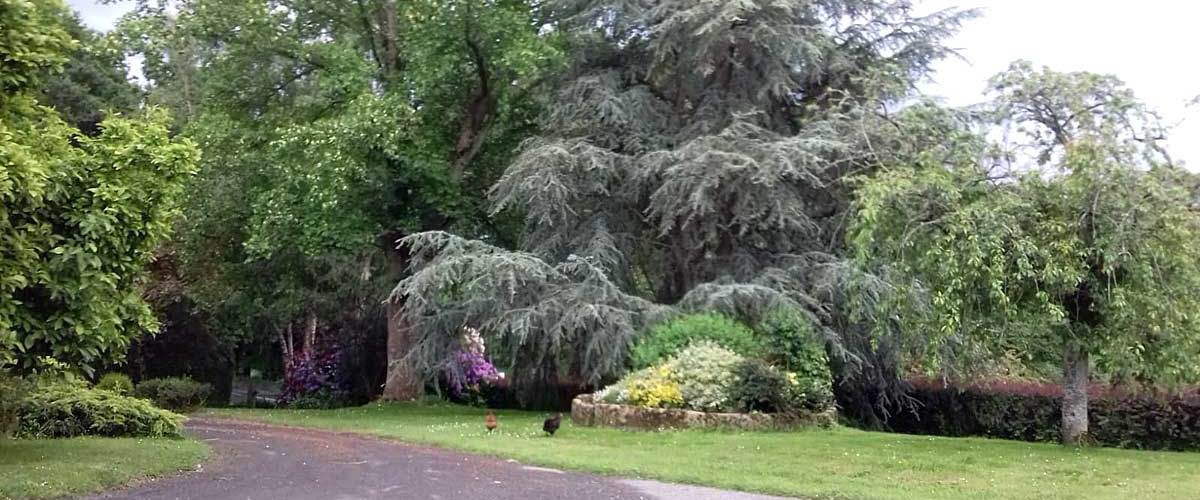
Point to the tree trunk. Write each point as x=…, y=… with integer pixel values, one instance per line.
x=402, y=382
x=1075, y=394
x=310, y=334
x=287, y=347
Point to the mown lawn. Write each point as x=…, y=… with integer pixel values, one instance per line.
x=48, y=468
x=838, y=463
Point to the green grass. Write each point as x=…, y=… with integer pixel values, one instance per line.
x=46, y=468
x=838, y=463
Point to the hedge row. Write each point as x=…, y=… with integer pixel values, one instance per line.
x=1030, y=411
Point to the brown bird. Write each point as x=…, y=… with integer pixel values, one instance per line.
x=551, y=424
x=490, y=421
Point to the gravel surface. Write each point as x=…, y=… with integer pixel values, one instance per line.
x=263, y=462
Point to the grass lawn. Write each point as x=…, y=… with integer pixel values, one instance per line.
x=838, y=463
x=46, y=468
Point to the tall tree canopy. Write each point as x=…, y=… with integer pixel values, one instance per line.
x=1077, y=243
x=80, y=215
x=693, y=156
x=331, y=132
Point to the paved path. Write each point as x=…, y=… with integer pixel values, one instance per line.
x=262, y=462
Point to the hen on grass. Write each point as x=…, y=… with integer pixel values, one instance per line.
x=551, y=424
x=490, y=421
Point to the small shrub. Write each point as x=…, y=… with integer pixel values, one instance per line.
x=759, y=387
x=316, y=375
x=116, y=382
x=174, y=393
x=705, y=373
x=664, y=340
x=63, y=410
x=655, y=388
x=12, y=391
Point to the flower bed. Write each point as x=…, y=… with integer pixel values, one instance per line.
x=586, y=411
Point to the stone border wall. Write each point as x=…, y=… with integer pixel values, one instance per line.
x=588, y=412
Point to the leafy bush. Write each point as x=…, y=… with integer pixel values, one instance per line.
x=655, y=387
x=316, y=377
x=1030, y=411
x=759, y=387
x=12, y=391
x=705, y=373
x=471, y=374
x=666, y=339
x=174, y=393
x=116, y=382
x=64, y=410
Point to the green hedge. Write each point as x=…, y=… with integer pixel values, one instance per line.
x=174, y=393
x=1030, y=411
x=64, y=410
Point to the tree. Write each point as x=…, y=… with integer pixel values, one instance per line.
x=694, y=155
x=1077, y=244
x=92, y=83
x=330, y=133
x=81, y=215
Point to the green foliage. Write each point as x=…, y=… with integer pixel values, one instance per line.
x=115, y=382
x=1098, y=249
x=759, y=387
x=93, y=82
x=12, y=391
x=63, y=410
x=79, y=216
x=32, y=44
x=174, y=393
x=665, y=340
x=699, y=377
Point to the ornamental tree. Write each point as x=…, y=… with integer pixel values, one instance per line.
x=1075, y=242
x=79, y=216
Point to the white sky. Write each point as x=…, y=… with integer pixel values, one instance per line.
x=1151, y=44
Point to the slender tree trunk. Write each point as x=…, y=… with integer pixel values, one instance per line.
x=402, y=382
x=287, y=346
x=310, y=334
x=1075, y=394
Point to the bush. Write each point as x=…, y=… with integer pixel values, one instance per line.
x=316, y=376
x=705, y=373
x=664, y=340
x=116, y=382
x=12, y=391
x=174, y=393
x=64, y=410
x=759, y=387
x=1030, y=411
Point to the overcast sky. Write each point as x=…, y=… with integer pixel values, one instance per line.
x=1151, y=44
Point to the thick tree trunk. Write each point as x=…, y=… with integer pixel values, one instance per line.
x=402, y=382
x=1075, y=394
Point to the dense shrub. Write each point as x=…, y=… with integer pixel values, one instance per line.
x=316, y=380
x=666, y=339
x=174, y=393
x=12, y=391
x=699, y=377
x=116, y=382
x=470, y=374
x=705, y=374
x=1030, y=411
x=759, y=387
x=65, y=410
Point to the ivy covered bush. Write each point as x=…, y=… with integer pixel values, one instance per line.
x=174, y=393
x=12, y=391
x=666, y=339
x=66, y=410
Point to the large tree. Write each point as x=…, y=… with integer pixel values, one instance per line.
x=79, y=216
x=1073, y=241
x=333, y=130
x=693, y=157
